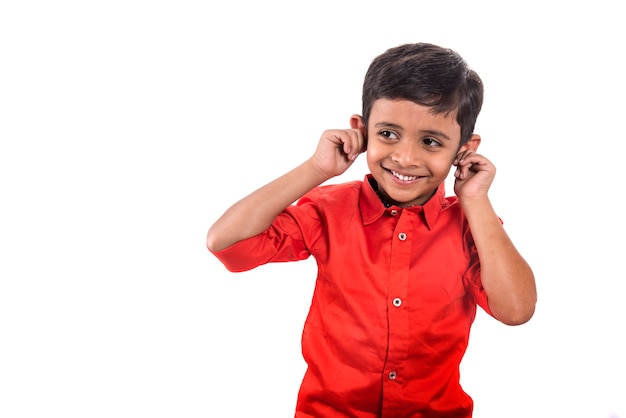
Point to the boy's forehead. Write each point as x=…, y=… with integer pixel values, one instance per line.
x=398, y=110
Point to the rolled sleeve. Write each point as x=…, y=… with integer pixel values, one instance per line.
x=281, y=242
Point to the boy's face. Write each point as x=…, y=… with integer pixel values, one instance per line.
x=409, y=150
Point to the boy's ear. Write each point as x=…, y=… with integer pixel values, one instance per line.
x=472, y=144
x=356, y=122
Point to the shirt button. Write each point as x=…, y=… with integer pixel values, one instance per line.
x=397, y=302
x=392, y=375
x=394, y=212
x=401, y=236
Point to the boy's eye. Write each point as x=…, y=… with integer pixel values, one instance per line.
x=431, y=142
x=388, y=134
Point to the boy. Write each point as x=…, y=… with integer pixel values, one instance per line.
x=401, y=267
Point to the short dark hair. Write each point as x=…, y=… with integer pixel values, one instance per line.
x=428, y=75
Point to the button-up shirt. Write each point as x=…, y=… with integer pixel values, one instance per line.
x=395, y=297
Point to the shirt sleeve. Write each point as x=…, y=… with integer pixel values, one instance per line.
x=471, y=279
x=475, y=287
x=281, y=242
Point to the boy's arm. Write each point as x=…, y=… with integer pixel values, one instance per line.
x=254, y=213
x=506, y=277
x=336, y=151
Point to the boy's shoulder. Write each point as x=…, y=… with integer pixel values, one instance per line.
x=329, y=193
x=346, y=187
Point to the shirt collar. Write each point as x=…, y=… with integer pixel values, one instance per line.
x=372, y=206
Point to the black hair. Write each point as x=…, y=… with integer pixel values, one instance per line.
x=429, y=75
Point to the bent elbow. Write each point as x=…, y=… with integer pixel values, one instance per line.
x=214, y=243
x=210, y=244
x=519, y=316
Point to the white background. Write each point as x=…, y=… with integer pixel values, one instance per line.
x=128, y=127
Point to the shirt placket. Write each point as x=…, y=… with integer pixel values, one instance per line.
x=398, y=319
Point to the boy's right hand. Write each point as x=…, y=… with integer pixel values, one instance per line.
x=337, y=150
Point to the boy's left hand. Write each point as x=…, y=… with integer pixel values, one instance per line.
x=474, y=174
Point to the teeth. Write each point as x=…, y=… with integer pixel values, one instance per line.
x=403, y=178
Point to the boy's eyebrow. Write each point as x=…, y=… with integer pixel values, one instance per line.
x=432, y=132
x=437, y=133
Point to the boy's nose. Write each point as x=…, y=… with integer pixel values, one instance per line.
x=407, y=154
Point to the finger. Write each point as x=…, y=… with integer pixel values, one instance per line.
x=354, y=143
x=459, y=157
x=461, y=174
x=466, y=166
x=464, y=155
x=460, y=171
x=474, y=162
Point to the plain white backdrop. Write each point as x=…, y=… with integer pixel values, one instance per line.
x=128, y=127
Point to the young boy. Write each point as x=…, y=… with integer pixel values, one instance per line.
x=401, y=267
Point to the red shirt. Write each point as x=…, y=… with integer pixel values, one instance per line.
x=396, y=294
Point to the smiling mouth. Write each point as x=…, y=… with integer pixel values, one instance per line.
x=403, y=177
